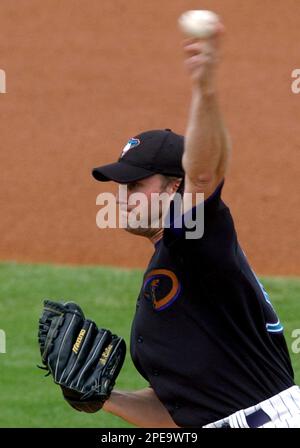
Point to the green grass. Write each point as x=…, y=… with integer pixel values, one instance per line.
x=27, y=398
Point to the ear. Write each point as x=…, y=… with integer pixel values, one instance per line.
x=173, y=184
x=176, y=185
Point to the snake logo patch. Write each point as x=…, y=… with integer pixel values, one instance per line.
x=162, y=288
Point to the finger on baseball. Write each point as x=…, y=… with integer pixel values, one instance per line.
x=198, y=58
x=195, y=48
x=220, y=28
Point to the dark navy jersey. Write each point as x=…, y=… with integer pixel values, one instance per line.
x=205, y=334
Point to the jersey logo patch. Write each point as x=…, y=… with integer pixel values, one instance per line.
x=162, y=288
x=132, y=143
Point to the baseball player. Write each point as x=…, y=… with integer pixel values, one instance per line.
x=205, y=335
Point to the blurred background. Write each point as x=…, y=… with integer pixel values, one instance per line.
x=85, y=76
x=82, y=78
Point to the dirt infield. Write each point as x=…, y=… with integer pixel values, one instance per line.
x=83, y=77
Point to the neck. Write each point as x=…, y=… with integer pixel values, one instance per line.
x=156, y=236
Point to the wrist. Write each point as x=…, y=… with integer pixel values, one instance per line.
x=204, y=90
x=107, y=405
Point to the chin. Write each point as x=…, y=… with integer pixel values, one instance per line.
x=138, y=231
x=141, y=231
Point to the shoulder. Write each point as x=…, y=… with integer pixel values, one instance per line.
x=205, y=197
x=205, y=224
x=202, y=189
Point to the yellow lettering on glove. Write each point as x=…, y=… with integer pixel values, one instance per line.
x=105, y=354
x=78, y=342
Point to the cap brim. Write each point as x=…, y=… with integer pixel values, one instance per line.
x=120, y=172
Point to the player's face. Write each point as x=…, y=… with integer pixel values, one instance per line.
x=154, y=184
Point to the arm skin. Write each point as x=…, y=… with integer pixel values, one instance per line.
x=207, y=144
x=141, y=408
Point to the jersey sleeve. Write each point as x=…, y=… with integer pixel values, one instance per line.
x=205, y=232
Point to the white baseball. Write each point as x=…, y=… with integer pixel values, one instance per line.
x=198, y=23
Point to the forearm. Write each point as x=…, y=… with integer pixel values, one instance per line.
x=207, y=144
x=141, y=408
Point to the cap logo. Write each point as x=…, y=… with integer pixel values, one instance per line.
x=132, y=143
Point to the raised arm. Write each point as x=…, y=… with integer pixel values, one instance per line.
x=207, y=144
x=141, y=408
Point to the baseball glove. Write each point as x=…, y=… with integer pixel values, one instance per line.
x=83, y=359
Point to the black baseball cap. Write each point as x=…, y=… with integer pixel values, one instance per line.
x=146, y=154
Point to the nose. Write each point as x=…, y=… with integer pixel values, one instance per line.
x=119, y=198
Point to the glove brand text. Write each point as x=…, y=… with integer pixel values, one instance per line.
x=78, y=342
